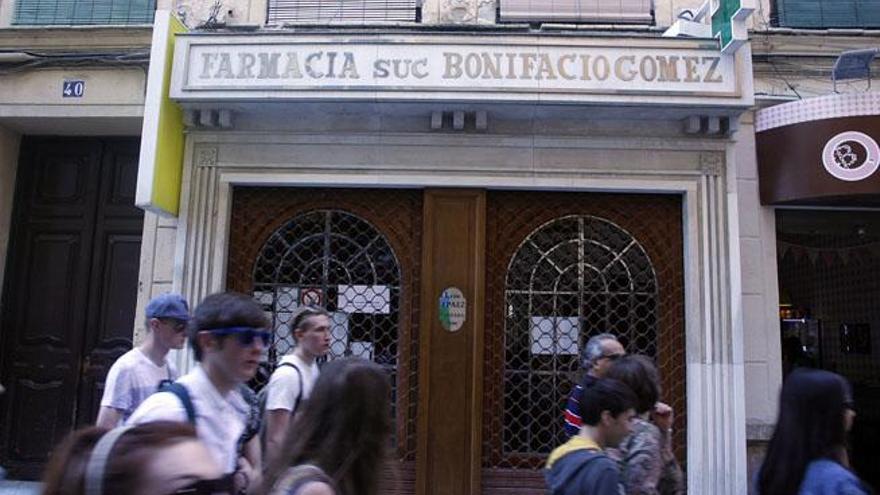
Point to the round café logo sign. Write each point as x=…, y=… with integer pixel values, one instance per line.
x=851, y=156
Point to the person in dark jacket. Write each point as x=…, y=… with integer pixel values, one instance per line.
x=580, y=466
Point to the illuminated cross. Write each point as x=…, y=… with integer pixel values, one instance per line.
x=729, y=23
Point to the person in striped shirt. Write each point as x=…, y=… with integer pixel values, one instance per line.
x=599, y=354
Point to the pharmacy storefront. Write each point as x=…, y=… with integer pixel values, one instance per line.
x=472, y=207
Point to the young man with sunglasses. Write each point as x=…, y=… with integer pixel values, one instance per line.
x=139, y=372
x=228, y=335
x=293, y=379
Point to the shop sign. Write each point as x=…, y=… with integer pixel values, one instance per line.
x=825, y=162
x=851, y=156
x=216, y=67
x=729, y=23
x=160, y=166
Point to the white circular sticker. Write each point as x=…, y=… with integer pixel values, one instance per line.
x=851, y=156
x=453, y=308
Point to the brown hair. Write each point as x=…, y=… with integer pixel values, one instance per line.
x=343, y=429
x=304, y=314
x=224, y=309
x=641, y=376
x=65, y=474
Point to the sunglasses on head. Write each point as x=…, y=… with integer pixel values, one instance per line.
x=224, y=486
x=245, y=335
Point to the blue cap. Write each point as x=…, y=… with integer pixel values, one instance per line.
x=168, y=306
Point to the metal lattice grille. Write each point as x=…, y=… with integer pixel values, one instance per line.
x=333, y=259
x=355, y=252
x=566, y=267
x=571, y=278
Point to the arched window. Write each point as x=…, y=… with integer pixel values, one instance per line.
x=339, y=261
x=570, y=279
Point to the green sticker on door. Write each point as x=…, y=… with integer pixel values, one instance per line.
x=453, y=308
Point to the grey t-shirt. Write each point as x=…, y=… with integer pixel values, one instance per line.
x=133, y=378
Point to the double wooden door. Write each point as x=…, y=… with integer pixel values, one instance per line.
x=478, y=304
x=70, y=290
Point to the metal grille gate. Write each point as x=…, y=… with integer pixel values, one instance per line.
x=561, y=268
x=355, y=252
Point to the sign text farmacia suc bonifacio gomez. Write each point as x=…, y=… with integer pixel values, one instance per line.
x=345, y=66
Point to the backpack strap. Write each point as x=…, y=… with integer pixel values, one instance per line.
x=299, y=375
x=183, y=395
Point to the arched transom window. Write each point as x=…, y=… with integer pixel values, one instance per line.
x=336, y=260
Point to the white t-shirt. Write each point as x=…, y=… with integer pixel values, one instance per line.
x=284, y=385
x=220, y=420
x=133, y=378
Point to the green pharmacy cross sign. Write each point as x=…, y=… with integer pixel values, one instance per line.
x=729, y=23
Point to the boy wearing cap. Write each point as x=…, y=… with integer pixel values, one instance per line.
x=139, y=372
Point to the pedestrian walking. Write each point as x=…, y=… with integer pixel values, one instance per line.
x=581, y=466
x=227, y=334
x=138, y=373
x=648, y=465
x=807, y=452
x=292, y=381
x=160, y=458
x=601, y=350
x=338, y=444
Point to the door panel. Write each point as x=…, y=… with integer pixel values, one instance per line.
x=55, y=268
x=286, y=243
x=114, y=273
x=43, y=320
x=562, y=267
x=454, y=241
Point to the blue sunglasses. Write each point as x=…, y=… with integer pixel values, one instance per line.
x=245, y=335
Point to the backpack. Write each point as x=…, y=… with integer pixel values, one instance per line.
x=263, y=395
x=254, y=421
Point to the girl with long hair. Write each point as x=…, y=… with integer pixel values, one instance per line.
x=338, y=444
x=161, y=458
x=807, y=453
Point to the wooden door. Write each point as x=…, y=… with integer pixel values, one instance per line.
x=456, y=389
x=562, y=267
x=113, y=278
x=65, y=288
x=356, y=252
x=451, y=346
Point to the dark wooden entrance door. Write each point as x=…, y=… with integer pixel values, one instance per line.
x=71, y=289
x=478, y=404
x=560, y=268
